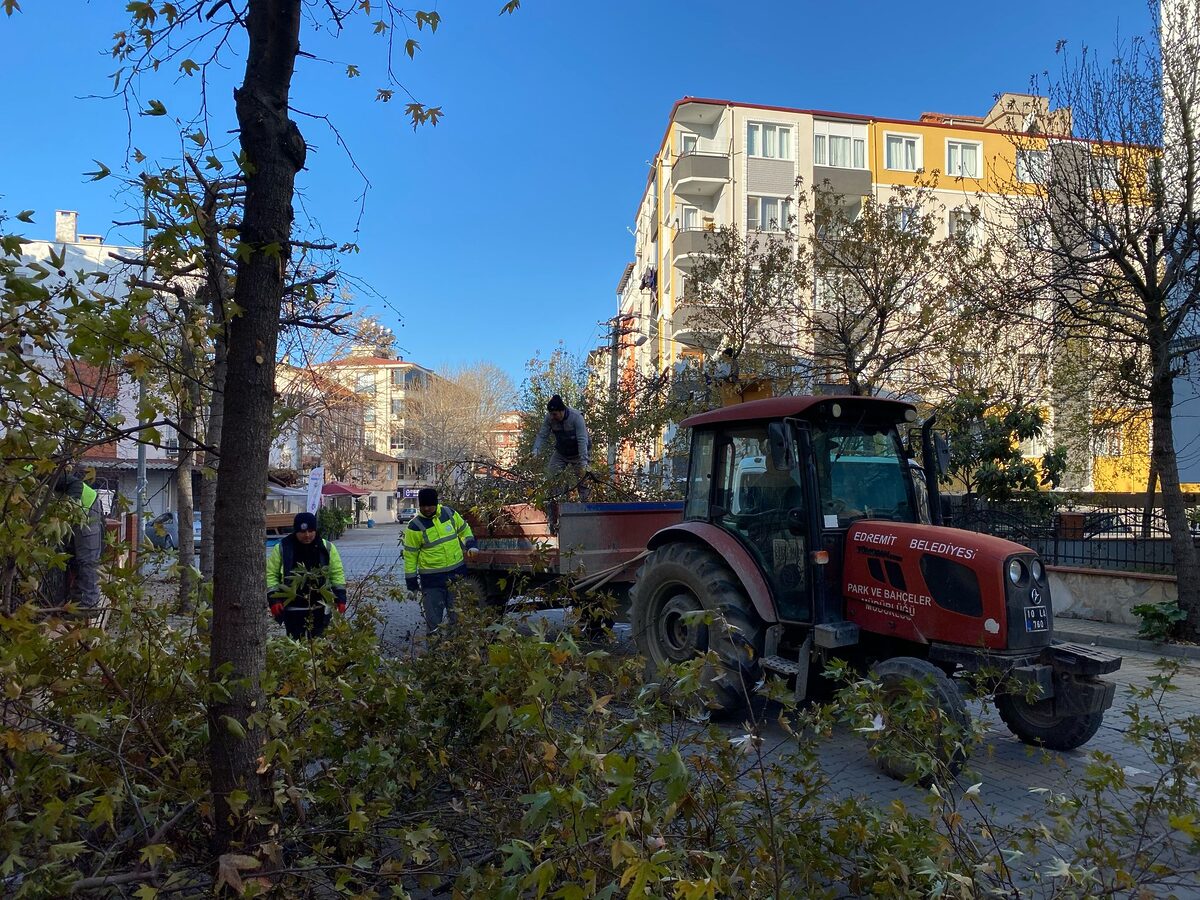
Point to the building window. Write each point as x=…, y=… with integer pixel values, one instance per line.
x=398, y=378
x=397, y=406
x=688, y=143
x=964, y=224
x=1107, y=172
x=1033, y=166
x=768, y=141
x=840, y=145
x=368, y=415
x=365, y=383
x=907, y=217
x=964, y=159
x=690, y=218
x=1108, y=441
x=902, y=152
x=768, y=213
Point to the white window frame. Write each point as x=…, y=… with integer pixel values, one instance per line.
x=759, y=221
x=684, y=137
x=1037, y=173
x=689, y=218
x=825, y=132
x=960, y=143
x=772, y=130
x=973, y=225
x=907, y=136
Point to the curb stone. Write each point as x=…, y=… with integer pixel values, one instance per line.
x=1120, y=642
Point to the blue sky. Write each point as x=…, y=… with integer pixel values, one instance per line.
x=504, y=230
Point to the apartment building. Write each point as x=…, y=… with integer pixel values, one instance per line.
x=384, y=385
x=722, y=163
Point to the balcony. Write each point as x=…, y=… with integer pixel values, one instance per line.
x=688, y=245
x=698, y=174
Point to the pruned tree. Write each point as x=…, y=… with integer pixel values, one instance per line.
x=891, y=296
x=745, y=307
x=1103, y=239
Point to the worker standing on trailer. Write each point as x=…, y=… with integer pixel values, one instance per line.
x=571, y=447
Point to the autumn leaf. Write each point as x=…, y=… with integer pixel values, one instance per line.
x=229, y=869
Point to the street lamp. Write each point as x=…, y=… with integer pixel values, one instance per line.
x=617, y=331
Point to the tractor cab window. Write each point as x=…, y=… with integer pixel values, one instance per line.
x=862, y=472
x=699, y=488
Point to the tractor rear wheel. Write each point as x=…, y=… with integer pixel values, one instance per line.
x=900, y=676
x=1038, y=724
x=675, y=587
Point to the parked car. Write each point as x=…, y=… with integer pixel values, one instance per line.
x=163, y=532
x=406, y=514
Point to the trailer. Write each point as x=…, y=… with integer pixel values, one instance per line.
x=595, y=546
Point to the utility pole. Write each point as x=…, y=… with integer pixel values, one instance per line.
x=617, y=332
x=613, y=350
x=140, y=499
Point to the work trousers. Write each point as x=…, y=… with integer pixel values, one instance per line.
x=438, y=603
x=559, y=463
x=87, y=541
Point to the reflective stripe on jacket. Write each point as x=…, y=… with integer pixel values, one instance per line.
x=433, y=548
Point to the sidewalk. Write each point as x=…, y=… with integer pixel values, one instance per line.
x=1117, y=637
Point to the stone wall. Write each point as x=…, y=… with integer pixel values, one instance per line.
x=1106, y=596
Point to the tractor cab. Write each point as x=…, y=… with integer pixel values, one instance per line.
x=787, y=486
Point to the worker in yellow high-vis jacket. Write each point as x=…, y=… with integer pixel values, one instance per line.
x=434, y=545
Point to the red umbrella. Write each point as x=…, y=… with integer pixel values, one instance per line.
x=342, y=489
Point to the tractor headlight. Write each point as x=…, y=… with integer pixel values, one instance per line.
x=1037, y=570
x=1016, y=571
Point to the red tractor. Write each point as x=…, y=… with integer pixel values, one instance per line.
x=808, y=534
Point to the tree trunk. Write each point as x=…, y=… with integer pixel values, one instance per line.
x=189, y=403
x=273, y=152
x=1187, y=568
x=212, y=437
x=1148, y=506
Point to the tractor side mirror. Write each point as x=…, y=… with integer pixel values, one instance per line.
x=796, y=520
x=781, y=446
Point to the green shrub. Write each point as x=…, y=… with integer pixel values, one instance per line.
x=1160, y=621
x=333, y=521
x=510, y=763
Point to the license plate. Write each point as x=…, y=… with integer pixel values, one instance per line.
x=1036, y=618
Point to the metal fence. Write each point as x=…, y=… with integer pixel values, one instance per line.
x=1099, y=534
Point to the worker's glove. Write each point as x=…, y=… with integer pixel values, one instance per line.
x=411, y=584
x=341, y=607
x=277, y=611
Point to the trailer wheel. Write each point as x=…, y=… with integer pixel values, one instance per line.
x=1037, y=723
x=899, y=676
x=679, y=579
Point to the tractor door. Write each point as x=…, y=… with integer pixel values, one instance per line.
x=758, y=493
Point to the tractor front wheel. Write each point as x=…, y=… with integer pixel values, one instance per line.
x=1038, y=724
x=686, y=601
x=909, y=748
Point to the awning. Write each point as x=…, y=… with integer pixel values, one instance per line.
x=276, y=492
x=341, y=489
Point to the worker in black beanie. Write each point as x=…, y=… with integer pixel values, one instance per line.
x=434, y=545
x=572, y=449
x=302, y=569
